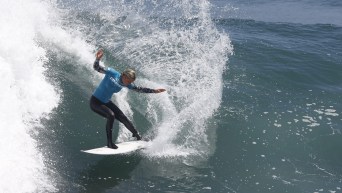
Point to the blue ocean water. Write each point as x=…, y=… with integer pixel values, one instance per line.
x=253, y=100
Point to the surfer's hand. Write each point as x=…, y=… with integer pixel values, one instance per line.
x=99, y=54
x=159, y=90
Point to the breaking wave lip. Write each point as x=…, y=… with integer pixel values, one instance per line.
x=27, y=95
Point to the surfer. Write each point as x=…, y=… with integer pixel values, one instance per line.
x=112, y=83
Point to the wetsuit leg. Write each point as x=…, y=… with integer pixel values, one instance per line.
x=101, y=109
x=119, y=115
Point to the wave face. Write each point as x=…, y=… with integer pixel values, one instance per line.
x=172, y=44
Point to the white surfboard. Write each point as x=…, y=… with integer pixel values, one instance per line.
x=123, y=148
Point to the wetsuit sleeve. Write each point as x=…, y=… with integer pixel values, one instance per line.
x=141, y=89
x=98, y=68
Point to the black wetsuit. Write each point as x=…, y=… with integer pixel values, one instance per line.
x=111, y=112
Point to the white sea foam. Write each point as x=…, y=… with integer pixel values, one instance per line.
x=331, y=112
x=194, y=92
x=26, y=95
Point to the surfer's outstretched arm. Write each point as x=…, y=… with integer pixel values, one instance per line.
x=96, y=65
x=147, y=90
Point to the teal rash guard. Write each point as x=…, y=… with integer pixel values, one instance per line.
x=112, y=83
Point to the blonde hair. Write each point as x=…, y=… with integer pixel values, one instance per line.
x=130, y=73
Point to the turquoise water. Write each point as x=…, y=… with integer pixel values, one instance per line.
x=252, y=103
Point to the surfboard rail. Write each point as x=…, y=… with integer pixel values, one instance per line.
x=123, y=148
